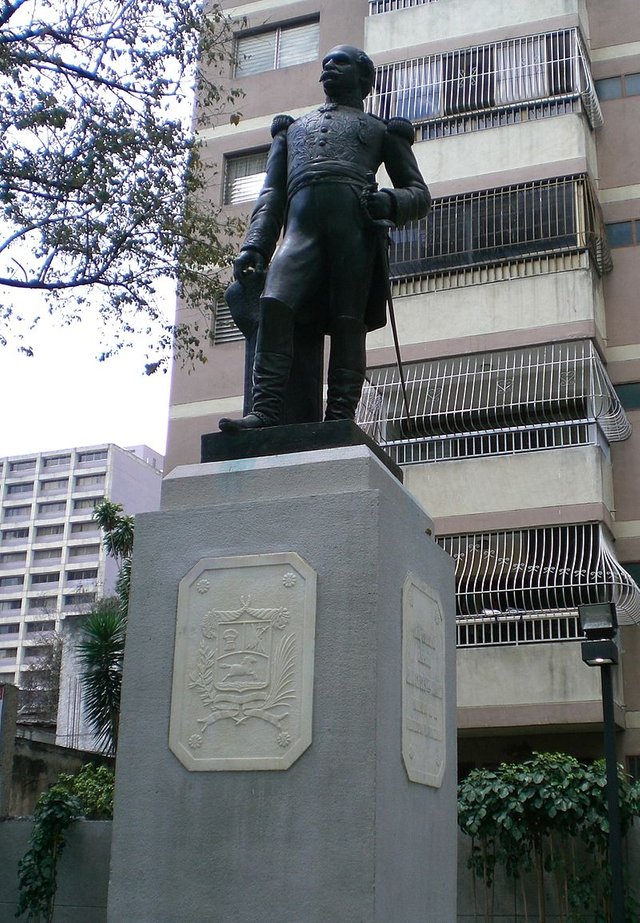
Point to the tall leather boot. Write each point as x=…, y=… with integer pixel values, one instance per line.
x=271, y=367
x=347, y=365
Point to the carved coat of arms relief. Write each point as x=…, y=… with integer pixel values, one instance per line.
x=243, y=666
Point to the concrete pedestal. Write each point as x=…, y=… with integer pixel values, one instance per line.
x=342, y=835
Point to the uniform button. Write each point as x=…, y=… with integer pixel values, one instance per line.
x=328, y=116
x=322, y=143
x=324, y=130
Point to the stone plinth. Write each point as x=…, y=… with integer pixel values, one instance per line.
x=336, y=830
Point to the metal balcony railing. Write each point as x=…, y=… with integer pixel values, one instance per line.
x=511, y=573
x=516, y=629
x=503, y=225
x=504, y=402
x=387, y=6
x=450, y=87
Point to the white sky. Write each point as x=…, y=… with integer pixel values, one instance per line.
x=64, y=397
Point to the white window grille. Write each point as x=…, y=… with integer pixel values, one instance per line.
x=508, y=573
x=387, y=6
x=449, y=87
x=517, y=629
x=258, y=52
x=503, y=225
x=502, y=402
x=243, y=177
x=223, y=328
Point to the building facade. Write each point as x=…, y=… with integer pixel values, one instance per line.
x=52, y=561
x=516, y=307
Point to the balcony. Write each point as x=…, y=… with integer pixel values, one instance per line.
x=502, y=403
x=509, y=224
x=487, y=86
x=517, y=572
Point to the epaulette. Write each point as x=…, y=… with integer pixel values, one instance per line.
x=281, y=123
x=401, y=127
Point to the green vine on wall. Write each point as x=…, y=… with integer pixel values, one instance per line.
x=88, y=794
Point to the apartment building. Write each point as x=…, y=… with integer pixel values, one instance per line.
x=517, y=312
x=52, y=562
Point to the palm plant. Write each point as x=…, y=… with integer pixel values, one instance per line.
x=101, y=651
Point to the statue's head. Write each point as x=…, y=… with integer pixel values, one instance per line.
x=347, y=70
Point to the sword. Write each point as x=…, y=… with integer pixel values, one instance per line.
x=384, y=226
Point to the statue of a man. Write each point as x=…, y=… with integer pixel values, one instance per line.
x=328, y=269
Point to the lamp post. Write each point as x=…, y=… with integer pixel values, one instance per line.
x=599, y=624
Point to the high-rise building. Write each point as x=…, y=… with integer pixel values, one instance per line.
x=516, y=301
x=52, y=561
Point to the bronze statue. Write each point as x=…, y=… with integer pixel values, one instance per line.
x=328, y=275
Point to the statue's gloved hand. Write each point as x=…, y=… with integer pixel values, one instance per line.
x=379, y=205
x=247, y=263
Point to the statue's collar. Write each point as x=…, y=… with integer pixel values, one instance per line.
x=331, y=107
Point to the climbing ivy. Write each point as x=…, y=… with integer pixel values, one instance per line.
x=87, y=794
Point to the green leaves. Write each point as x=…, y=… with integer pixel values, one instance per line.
x=100, y=654
x=532, y=814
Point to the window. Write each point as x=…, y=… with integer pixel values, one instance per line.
x=45, y=531
x=49, y=509
x=12, y=628
x=88, y=481
x=12, y=581
x=623, y=233
x=88, y=573
x=26, y=465
x=10, y=605
x=39, y=627
x=17, y=512
x=57, y=461
x=85, y=457
x=78, y=527
x=81, y=551
x=14, y=489
x=79, y=599
x=45, y=578
x=15, y=535
x=47, y=554
x=54, y=486
x=629, y=395
x=89, y=503
x=609, y=88
x=281, y=47
x=617, y=87
x=13, y=557
x=8, y=653
x=243, y=177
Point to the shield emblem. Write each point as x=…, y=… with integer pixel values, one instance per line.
x=243, y=660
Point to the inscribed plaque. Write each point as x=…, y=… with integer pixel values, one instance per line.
x=243, y=667
x=423, y=705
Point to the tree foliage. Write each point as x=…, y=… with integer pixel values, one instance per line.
x=546, y=815
x=102, y=187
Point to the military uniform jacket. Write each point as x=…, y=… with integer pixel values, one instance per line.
x=338, y=144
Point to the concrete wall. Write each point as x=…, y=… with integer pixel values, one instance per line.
x=543, y=684
x=554, y=301
x=456, y=23
x=83, y=872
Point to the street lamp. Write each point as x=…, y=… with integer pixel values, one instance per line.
x=600, y=624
